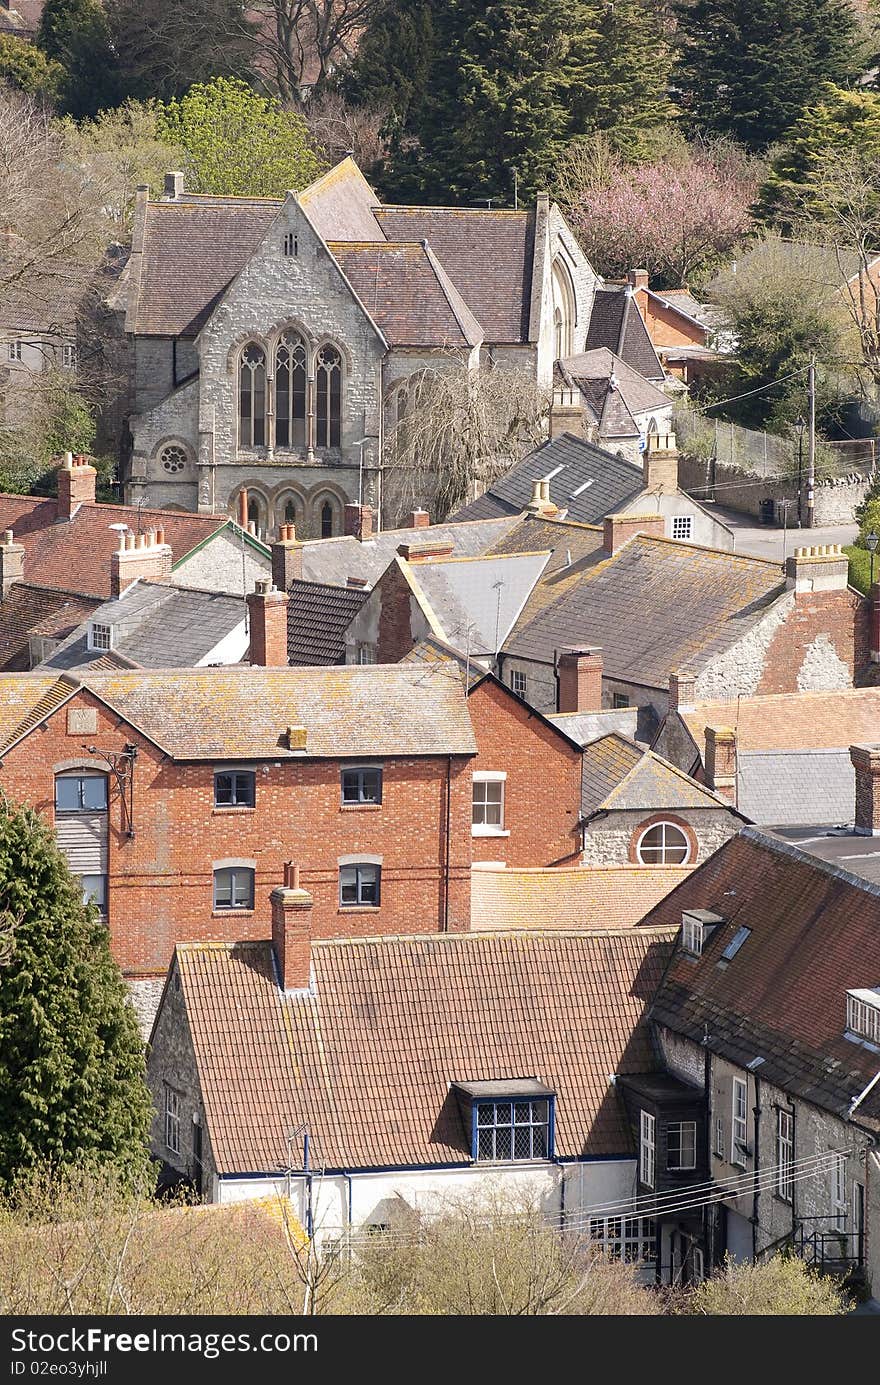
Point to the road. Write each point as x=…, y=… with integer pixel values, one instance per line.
x=766, y=541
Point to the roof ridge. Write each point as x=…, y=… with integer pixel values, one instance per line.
x=459, y=211
x=706, y=548
x=473, y=936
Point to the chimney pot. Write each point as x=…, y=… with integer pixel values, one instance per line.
x=76, y=485
x=243, y=508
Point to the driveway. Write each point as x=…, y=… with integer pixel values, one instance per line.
x=766, y=540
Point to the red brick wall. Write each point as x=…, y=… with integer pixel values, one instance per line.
x=542, y=793
x=841, y=615
x=160, y=885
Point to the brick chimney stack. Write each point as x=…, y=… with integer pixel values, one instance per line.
x=637, y=278
x=866, y=763
x=660, y=463
x=580, y=679
x=682, y=689
x=435, y=550
x=820, y=568
x=292, y=930
x=267, y=618
x=567, y=413
x=139, y=555
x=76, y=485
x=540, y=503
x=358, y=522
x=619, y=529
x=11, y=563
x=420, y=519
x=287, y=558
x=720, y=761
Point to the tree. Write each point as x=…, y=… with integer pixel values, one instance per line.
x=781, y=1286
x=238, y=143
x=499, y=88
x=76, y=35
x=457, y=431
x=677, y=216
x=841, y=125
x=165, y=49
x=395, y=56
x=748, y=68
x=117, y=152
x=780, y=310
x=300, y=43
x=24, y=67
x=337, y=128
x=72, y=1065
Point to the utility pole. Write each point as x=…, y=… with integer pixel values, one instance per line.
x=811, y=453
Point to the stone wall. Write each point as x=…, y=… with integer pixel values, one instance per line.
x=226, y=563
x=835, y=498
x=612, y=839
x=171, y=1060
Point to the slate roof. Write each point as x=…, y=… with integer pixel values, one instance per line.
x=585, y=481
x=654, y=607
x=790, y=721
x=788, y=787
x=317, y=618
x=335, y=560
x=585, y=897
x=156, y=625
x=192, y=251
x=638, y=723
x=815, y=933
x=566, y=540
x=30, y=610
x=488, y=255
x=617, y=324
x=477, y=600
x=619, y=776
x=366, y=1061
x=614, y=408
x=241, y=713
x=74, y=555
x=408, y=294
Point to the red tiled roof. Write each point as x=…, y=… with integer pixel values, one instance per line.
x=28, y=610
x=74, y=555
x=815, y=934
x=367, y=1059
x=585, y=897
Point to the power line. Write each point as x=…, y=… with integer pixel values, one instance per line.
x=762, y=389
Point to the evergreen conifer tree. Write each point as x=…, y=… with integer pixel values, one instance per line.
x=748, y=68
x=76, y=34
x=71, y=1060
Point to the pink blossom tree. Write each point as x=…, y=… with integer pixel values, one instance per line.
x=677, y=216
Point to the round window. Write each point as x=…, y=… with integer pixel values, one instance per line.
x=173, y=459
x=664, y=844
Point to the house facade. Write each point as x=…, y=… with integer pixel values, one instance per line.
x=274, y=343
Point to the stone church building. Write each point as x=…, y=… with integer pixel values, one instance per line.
x=272, y=341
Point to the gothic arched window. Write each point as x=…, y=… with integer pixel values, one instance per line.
x=328, y=372
x=252, y=397
x=289, y=513
x=564, y=310
x=290, y=391
x=326, y=520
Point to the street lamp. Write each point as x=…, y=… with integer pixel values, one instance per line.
x=871, y=542
x=800, y=425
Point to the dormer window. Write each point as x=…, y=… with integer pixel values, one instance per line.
x=863, y=1014
x=511, y=1119
x=697, y=927
x=100, y=636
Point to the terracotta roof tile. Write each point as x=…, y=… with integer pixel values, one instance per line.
x=74, y=555
x=585, y=897
x=367, y=1059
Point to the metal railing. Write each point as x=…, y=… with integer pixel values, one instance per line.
x=822, y=1242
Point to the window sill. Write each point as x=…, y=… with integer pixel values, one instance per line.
x=225, y=913
x=360, y=807
x=231, y=809
x=480, y=830
x=359, y=909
